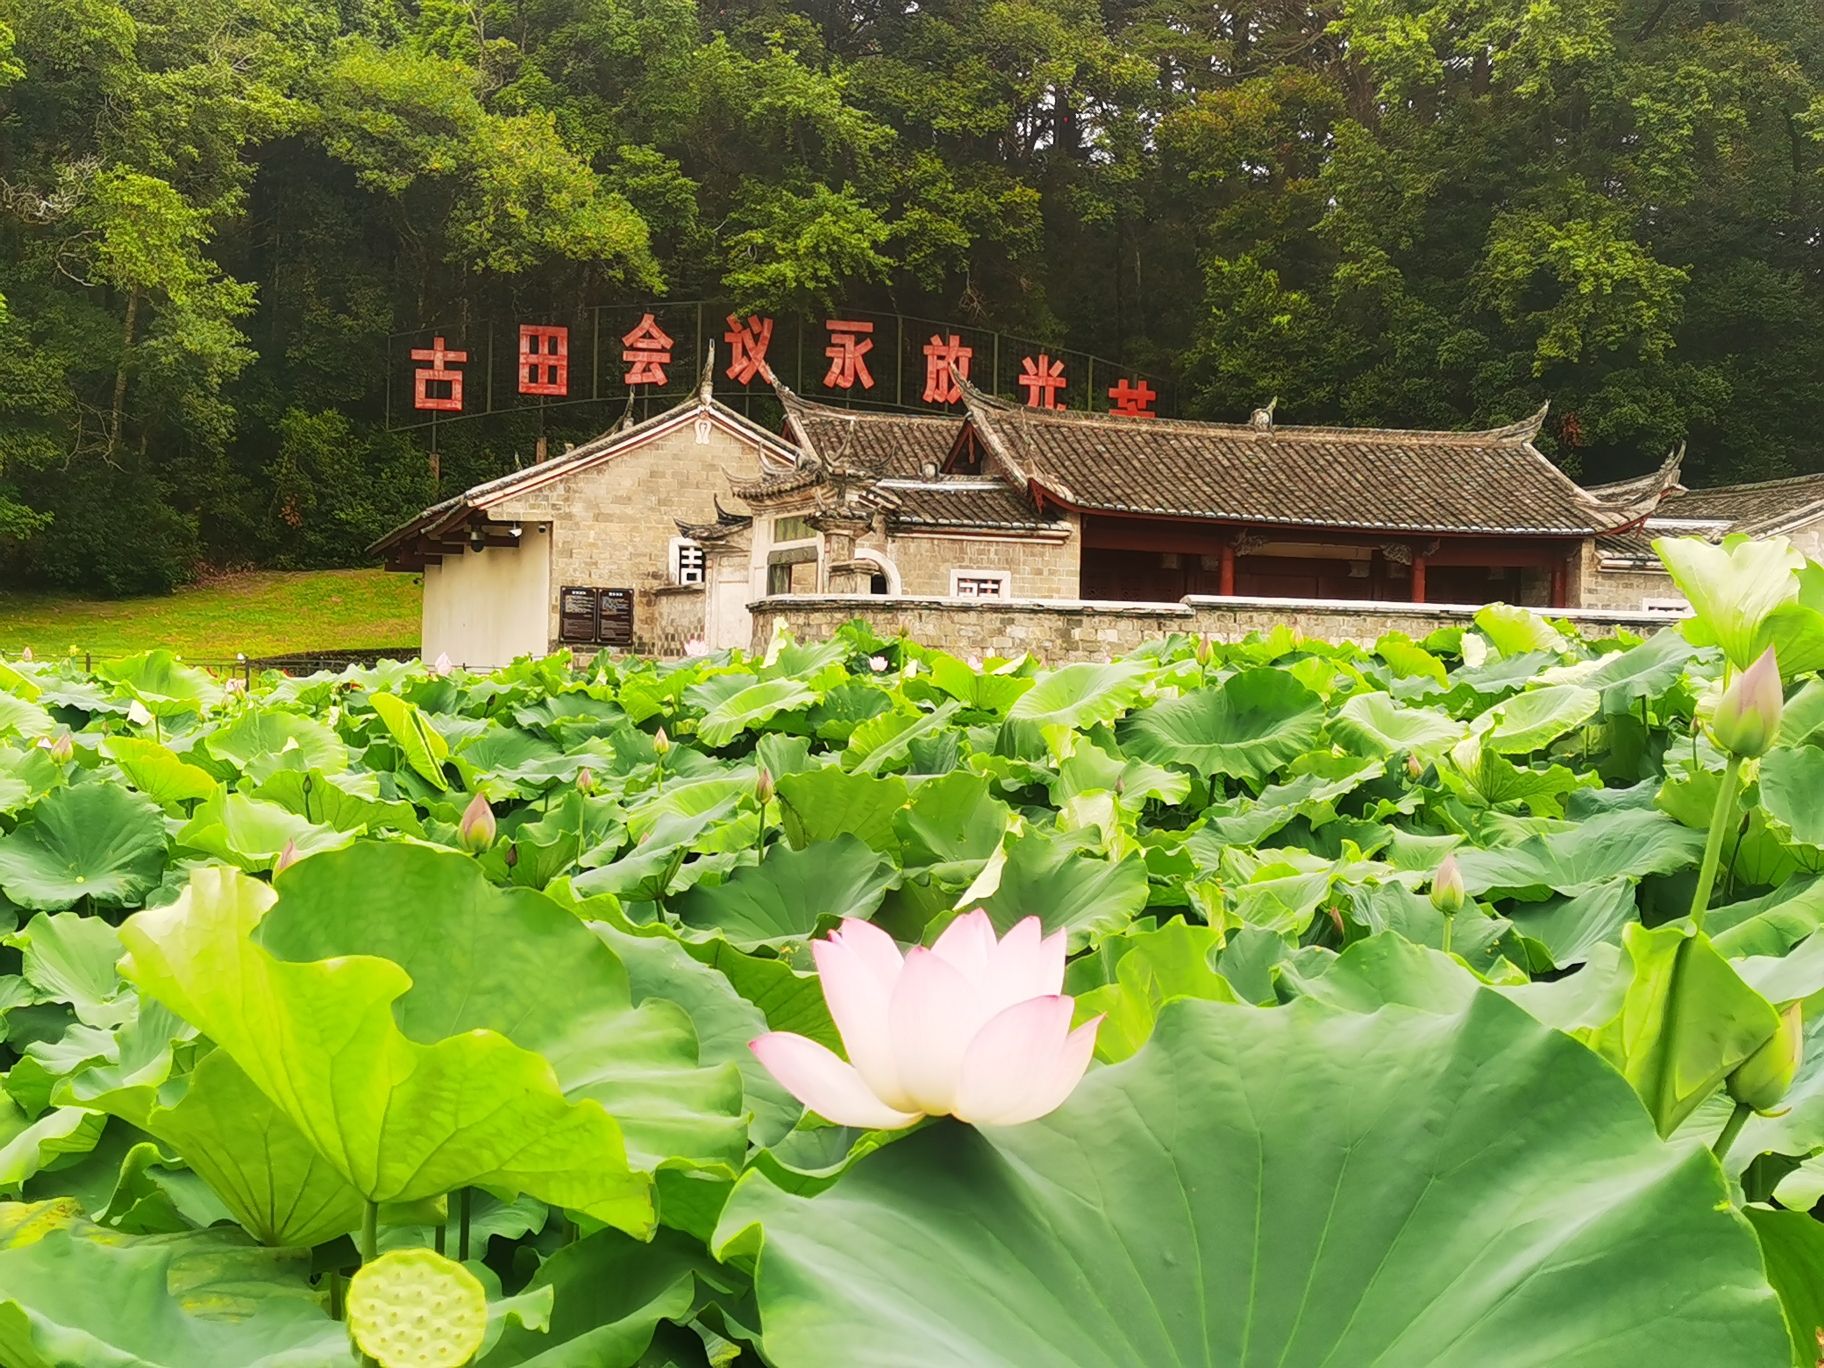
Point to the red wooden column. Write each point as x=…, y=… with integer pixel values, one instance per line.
x=1225, y=583
x=1560, y=577
x=1418, y=577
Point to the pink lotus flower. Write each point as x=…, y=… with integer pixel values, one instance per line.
x=972, y=1027
x=878, y=664
x=439, y=667
x=696, y=646
x=1748, y=715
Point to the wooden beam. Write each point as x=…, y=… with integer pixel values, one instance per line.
x=1418, y=578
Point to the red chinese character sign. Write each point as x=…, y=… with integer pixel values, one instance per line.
x=544, y=359
x=439, y=372
x=648, y=352
x=747, y=344
x=941, y=354
x=1042, y=379
x=1133, y=401
x=849, y=345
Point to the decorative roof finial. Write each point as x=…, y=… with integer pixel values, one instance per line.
x=1262, y=418
x=706, y=382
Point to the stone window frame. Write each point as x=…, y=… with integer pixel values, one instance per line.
x=675, y=559
x=1003, y=578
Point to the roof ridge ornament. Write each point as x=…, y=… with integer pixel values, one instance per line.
x=706, y=380
x=1261, y=420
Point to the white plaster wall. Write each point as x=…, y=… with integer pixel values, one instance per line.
x=484, y=608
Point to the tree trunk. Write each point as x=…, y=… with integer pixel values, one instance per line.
x=120, y=375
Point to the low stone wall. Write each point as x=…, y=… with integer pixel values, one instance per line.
x=1086, y=629
x=677, y=617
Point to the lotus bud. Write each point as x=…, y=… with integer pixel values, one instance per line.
x=1762, y=1080
x=63, y=749
x=763, y=786
x=585, y=781
x=512, y=855
x=476, y=829
x=971, y=1027
x=287, y=857
x=1748, y=716
x=878, y=664
x=26, y=654
x=1447, y=892
x=1202, y=649
x=440, y=666
x=661, y=742
x=975, y=662
x=1413, y=767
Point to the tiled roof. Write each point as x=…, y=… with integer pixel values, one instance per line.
x=961, y=502
x=1375, y=480
x=889, y=445
x=1762, y=503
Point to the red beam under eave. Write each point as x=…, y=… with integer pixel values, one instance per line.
x=1105, y=532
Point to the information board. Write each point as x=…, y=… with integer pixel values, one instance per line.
x=576, y=614
x=614, y=626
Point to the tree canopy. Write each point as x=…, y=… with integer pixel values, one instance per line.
x=1396, y=212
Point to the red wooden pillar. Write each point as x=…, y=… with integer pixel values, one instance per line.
x=1418, y=577
x=1560, y=577
x=1225, y=583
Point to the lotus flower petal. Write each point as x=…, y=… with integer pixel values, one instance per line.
x=1026, y=964
x=820, y=1080
x=1060, y=1078
x=858, y=979
x=967, y=945
x=1011, y=1058
x=934, y=1014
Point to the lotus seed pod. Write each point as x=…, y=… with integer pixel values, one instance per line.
x=1761, y=1081
x=1748, y=717
x=414, y=1308
x=1447, y=892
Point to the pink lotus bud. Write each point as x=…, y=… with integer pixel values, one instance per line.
x=61, y=749
x=287, y=857
x=440, y=667
x=878, y=664
x=661, y=742
x=476, y=829
x=763, y=786
x=1763, y=1079
x=1202, y=649
x=973, y=1027
x=585, y=781
x=1748, y=717
x=26, y=654
x=1414, y=767
x=975, y=662
x=1447, y=892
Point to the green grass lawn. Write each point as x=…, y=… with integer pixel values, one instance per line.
x=263, y=613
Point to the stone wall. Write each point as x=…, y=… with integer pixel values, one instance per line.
x=1037, y=567
x=1093, y=630
x=677, y=617
x=612, y=525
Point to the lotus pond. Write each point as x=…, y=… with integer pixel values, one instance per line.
x=1453, y=1002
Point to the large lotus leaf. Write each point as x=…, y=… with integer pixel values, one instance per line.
x=1066, y=888
x=26, y=776
x=1275, y=1187
x=270, y=1177
x=401, y=1120
x=100, y=841
x=421, y=744
x=345, y=801
x=73, y=1293
x=1793, y=1244
x=1772, y=923
x=67, y=957
x=158, y=772
x=1792, y=794
x=749, y=706
x=253, y=833
x=25, y=718
x=1629, y=842
x=1374, y=724
x=508, y=762
x=1481, y=775
x=1686, y=1021
x=157, y=680
x=883, y=741
x=1648, y=671
x=1532, y=720
x=1562, y=931
x=1079, y=696
x=984, y=690
x=1248, y=727
x=29, y=1145
x=1733, y=588
x=952, y=825
x=1089, y=766
x=821, y=804
x=262, y=740
x=1154, y=967
x=1514, y=631
x=791, y=894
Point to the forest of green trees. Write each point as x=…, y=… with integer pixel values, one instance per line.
x=213, y=213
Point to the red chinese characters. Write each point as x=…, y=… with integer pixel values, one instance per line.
x=1042, y=379
x=849, y=345
x=439, y=372
x=941, y=354
x=647, y=352
x=747, y=344
x=544, y=359
x=1133, y=401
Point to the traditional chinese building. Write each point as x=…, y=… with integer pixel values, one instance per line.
x=663, y=532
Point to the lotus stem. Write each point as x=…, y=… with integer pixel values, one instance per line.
x=1731, y=1128
x=370, y=1232
x=462, y=1228
x=1721, y=820
x=1449, y=922
x=335, y=1294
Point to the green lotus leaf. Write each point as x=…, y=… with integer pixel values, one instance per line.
x=1481, y=775
x=1793, y=1244
x=820, y=804
x=25, y=718
x=1732, y=588
x=1687, y=1020
x=29, y=1146
x=1532, y=720
x=1562, y=931
x=413, y=1308
x=885, y=740
x=272, y=1180
x=74, y=1293
x=253, y=833
x=156, y=679
x=1514, y=631
x=158, y=772
x=791, y=894
x=261, y=741
x=26, y=776
x=1066, y=888
x=99, y=841
x=988, y=691
x=1627, y=843
x=1081, y=695
x=1646, y=671
x=1247, y=727
x=67, y=957
x=1154, y=967
x=749, y=705
x=952, y=825
x=343, y=801
x=399, y=1119
x=1792, y=794
x=1287, y=1186
x=420, y=744
x=512, y=962
x=1374, y=724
